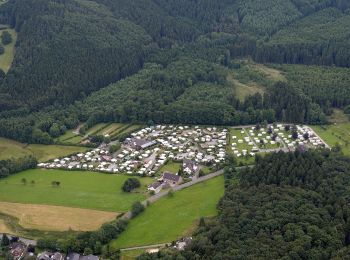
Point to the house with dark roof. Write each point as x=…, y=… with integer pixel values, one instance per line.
x=50, y=256
x=73, y=256
x=17, y=250
x=190, y=167
x=171, y=179
x=139, y=144
x=156, y=187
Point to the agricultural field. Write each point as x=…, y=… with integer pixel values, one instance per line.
x=335, y=134
x=69, y=138
x=7, y=57
x=184, y=208
x=112, y=130
x=57, y=218
x=10, y=148
x=77, y=189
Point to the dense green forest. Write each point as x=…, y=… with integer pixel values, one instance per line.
x=170, y=62
x=289, y=206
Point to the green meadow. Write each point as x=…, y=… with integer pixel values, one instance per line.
x=335, y=134
x=10, y=148
x=7, y=57
x=77, y=189
x=173, y=216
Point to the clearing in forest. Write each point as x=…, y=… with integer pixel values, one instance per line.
x=7, y=57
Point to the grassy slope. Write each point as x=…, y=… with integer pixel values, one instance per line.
x=337, y=133
x=10, y=148
x=49, y=152
x=7, y=58
x=173, y=217
x=77, y=189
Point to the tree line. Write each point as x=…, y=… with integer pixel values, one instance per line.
x=15, y=165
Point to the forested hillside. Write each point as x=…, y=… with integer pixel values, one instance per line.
x=290, y=206
x=66, y=49
x=170, y=62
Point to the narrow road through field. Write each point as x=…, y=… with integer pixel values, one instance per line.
x=144, y=247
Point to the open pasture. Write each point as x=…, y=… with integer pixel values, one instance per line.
x=10, y=148
x=335, y=134
x=77, y=189
x=48, y=152
x=54, y=218
x=173, y=216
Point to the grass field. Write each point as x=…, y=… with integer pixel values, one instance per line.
x=55, y=218
x=244, y=90
x=7, y=57
x=336, y=133
x=173, y=167
x=77, y=189
x=173, y=217
x=110, y=129
x=49, y=152
x=10, y=148
x=69, y=138
x=95, y=129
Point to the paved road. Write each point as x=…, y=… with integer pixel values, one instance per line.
x=143, y=247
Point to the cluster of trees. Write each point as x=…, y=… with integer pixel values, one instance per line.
x=131, y=184
x=291, y=205
x=12, y=166
x=137, y=208
x=66, y=50
x=94, y=242
x=4, y=247
x=6, y=38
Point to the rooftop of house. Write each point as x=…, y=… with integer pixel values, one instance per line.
x=170, y=176
x=155, y=185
